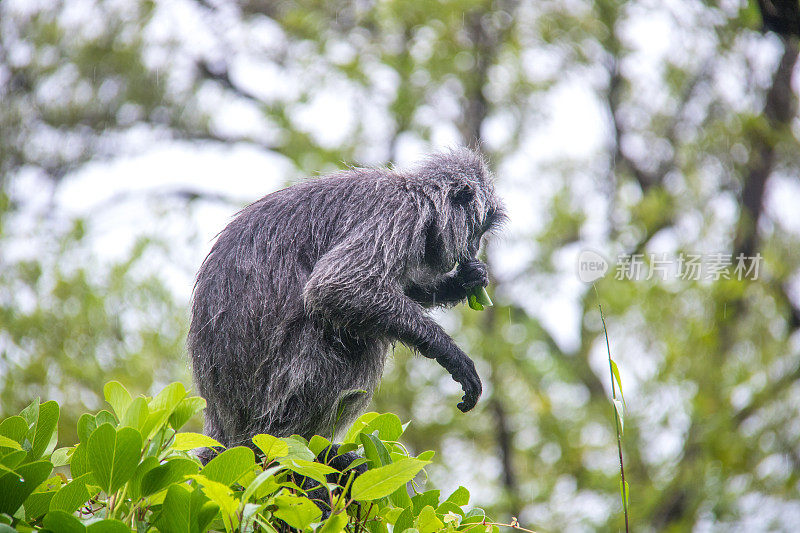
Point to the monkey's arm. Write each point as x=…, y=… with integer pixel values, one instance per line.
x=372, y=305
x=452, y=287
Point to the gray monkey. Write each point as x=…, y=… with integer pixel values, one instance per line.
x=302, y=294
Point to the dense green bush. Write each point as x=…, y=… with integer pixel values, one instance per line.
x=133, y=470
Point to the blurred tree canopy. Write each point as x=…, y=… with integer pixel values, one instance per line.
x=626, y=127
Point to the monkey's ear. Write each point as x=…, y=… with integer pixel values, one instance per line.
x=462, y=194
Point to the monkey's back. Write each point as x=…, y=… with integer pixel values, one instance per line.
x=263, y=364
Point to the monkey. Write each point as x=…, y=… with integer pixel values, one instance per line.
x=303, y=293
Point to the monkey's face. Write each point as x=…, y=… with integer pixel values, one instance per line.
x=482, y=214
x=472, y=213
x=492, y=220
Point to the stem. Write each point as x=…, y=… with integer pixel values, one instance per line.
x=499, y=524
x=120, y=497
x=111, y=503
x=129, y=517
x=624, y=490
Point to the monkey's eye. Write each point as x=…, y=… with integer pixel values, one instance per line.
x=463, y=195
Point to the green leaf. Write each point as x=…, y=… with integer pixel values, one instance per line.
x=347, y=447
x=105, y=417
x=63, y=522
x=161, y=408
x=623, y=492
x=107, y=526
x=377, y=526
x=298, y=448
x=427, y=521
x=355, y=463
x=387, y=425
x=310, y=469
x=175, y=516
x=360, y=423
x=258, y=482
x=381, y=482
x=249, y=516
x=475, y=515
x=156, y=420
x=615, y=372
x=460, y=497
x=72, y=495
x=620, y=415
x=230, y=465
x=162, y=476
x=426, y=455
x=113, y=455
x=12, y=459
x=169, y=397
x=405, y=520
x=136, y=414
x=45, y=430
x=38, y=503
x=185, y=410
x=449, y=507
x=479, y=299
x=6, y=442
x=190, y=441
x=272, y=447
x=118, y=397
x=15, y=428
x=79, y=462
x=86, y=425
x=374, y=450
x=222, y=495
x=400, y=497
x=31, y=415
x=391, y=514
x=135, y=482
x=318, y=444
x=334, y=524
x=427, y=498
x=296, y=511
x=15, y=489
x=61, y=456
x=472, y=301
x=185, y=511
x=203, y=511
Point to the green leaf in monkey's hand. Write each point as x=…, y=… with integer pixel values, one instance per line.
x=479, y=299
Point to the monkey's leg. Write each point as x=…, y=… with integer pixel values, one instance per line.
x=384, y=311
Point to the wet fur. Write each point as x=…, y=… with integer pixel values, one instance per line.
x=300, y=297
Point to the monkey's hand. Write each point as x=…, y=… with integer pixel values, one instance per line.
x=454, y=286
x=462, y=369
x=472, y=274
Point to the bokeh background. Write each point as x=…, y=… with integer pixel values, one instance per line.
x=131, y=131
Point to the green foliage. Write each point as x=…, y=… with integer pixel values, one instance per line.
x=142, y=476
x=479, y=299
x=80, y=333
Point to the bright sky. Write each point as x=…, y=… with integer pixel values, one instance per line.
x=122, y=197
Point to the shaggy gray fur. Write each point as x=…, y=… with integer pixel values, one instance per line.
x=302, y=294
